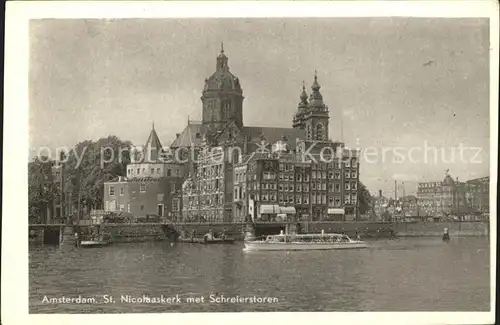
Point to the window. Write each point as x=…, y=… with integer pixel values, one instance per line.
x=306, y=177
x=281, y=197
x=157, y=170
x=337, y=187
x=324, y=198
x=330, y=187
x=353, y=186
x=298, y=199
x=337, y=201
x=142, y=207
x=128, y=207
x=306, y=199
x=346, y=175
x=144, y=170
x=323, y=175
x=152, y=170
x=142, y=188
x=313, y=201
x=330, y=175
x=281, y=166
x=330, y=201
x=236, y=193
x=122, y=190
x=122, y=207
x=291, y=187
x=313, y=174
x=347, y=187
x=337, y=175
x=323, y=186
x=354, y=174
x=128, y=172
x=111, y=190
x=346, y=200
x=353, y=198
x=290, y=199
x=298, y=188
x=169, y=172
x=138, y=171
x=306, y=187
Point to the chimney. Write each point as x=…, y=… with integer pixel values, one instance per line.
x=177, y=135
x=380, y=193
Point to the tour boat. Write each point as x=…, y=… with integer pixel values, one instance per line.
x=304, y=242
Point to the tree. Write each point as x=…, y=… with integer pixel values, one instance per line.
x=41, y=189
x=364, y=199
x=102, y=161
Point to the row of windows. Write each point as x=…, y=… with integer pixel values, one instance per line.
x=112, y=191
x=290, y=187
x=299, y=199
x=153, y=171
x=210, y=171
x=211, y=185
x=142, y=189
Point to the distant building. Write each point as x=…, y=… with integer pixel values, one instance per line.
x=478, y=194
x=380, y=206
x=408, y=205
x=452, y=197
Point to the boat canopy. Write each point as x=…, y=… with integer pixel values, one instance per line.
x=287, y=210
x=269, y=209
x=336, y=211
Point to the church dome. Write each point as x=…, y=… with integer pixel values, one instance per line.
x=222, y=79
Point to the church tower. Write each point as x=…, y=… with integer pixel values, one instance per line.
x=298, y=119
x=222, y=97
x=315, y=117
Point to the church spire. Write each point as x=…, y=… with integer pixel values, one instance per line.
x=222, y=60
x=303, y=96
x=153, y=146
x=316, y=99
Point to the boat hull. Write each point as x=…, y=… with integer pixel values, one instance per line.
x=296, y=246
x=88, y=244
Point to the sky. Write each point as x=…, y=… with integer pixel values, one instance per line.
x=390, y=82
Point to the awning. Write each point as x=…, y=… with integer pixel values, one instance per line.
x=288, y=210
x=336, y=211
x=269, y=209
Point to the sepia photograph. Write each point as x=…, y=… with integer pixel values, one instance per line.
x=283, y=161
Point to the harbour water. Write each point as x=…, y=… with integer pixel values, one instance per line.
x=403, y=274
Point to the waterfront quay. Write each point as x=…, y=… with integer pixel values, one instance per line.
x=140, y=232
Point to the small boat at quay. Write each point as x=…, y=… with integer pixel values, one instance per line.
x=304, y=242
x=93, y=243
x=207, y=241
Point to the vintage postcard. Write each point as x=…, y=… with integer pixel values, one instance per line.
x=222, y=162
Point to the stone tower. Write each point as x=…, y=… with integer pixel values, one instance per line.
x=316, y=117
x=222, y=98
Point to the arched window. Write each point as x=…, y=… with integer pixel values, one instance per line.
x=308, y=133
x=320, y=131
